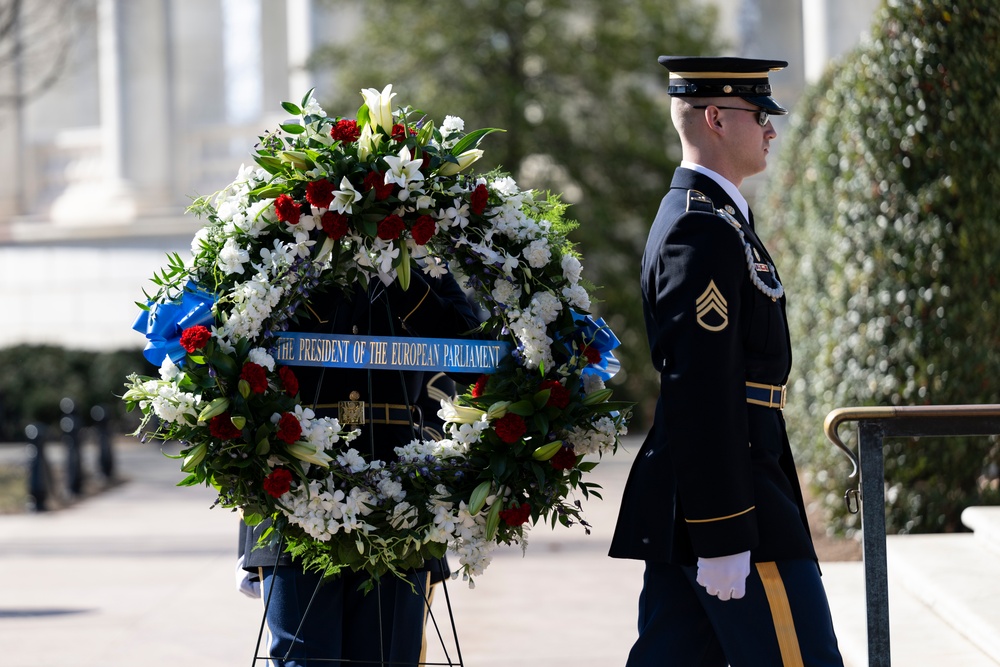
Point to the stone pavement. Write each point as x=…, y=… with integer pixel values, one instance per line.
x=142, y=574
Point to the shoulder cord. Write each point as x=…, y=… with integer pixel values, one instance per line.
x=774, y=292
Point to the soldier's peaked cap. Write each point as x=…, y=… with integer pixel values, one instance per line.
x=692, y=76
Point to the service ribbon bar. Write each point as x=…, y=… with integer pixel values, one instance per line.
x=390, y=352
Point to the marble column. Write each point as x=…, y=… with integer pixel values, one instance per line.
x=109, y=198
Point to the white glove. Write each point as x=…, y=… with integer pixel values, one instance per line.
x=251, y=589
x=726, y=576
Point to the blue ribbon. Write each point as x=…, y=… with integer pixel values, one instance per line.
x=164, y=323
x=599, y=336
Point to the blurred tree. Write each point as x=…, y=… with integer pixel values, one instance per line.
x=887, y=196
x=577, y=88
x=35, y=39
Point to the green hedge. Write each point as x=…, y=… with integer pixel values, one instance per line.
x=35, y=378
x=887, y=200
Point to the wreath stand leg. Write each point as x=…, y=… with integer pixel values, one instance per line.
x=432, y=627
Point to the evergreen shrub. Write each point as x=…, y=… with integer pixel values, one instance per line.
x=886, y=195
x=35, y=378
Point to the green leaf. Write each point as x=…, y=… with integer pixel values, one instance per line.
x=252, y=518
x=292, y=128
x=540, y=422
x=305, y=98
x=270, y=164
x=190, y=480
x=472, y=139
x=293, y=109
x=541, y=398
x=266, y=192
x=493, y=517
x=522, y=408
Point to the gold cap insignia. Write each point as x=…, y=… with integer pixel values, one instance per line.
x=711, y=301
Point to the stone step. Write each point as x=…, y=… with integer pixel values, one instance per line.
x=985, y=521
x=918, y=637
x=956, y=579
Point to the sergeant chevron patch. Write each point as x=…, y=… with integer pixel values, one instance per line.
x=711, y=301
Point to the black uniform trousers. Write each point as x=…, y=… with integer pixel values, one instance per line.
x=310, y=621
x=782, y=621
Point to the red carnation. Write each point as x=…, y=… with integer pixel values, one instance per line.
x=289, y=428
x=278, y=482
x=510, y=428
x=399, y=132
x=558, y=394
x=194, y=338
x=423, y=229
x=256, y=377
x=593, y=354
x=477, y=202
x=334, y=224
x=319, y=193
x=479, y=388
x=288, y=380
x=565, y=459
x=375, y=180
x=391, y=227
x=516, y=516
x=288, y=211
x=346, y=131
x=222, y=427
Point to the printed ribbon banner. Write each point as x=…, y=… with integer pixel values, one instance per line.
x=389, y=352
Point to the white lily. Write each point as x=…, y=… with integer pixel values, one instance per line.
x=308, y=453
x=459, y=414
x=464, y=160
x=403, y=169
x=345, y=197
x=368, y=142
x=379, y=106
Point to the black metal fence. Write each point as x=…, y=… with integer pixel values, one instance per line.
x=46, y=485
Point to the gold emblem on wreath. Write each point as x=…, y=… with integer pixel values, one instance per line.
x=711, y=301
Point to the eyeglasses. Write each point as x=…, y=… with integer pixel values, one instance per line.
x=762, y=116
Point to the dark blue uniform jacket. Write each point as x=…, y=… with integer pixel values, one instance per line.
x=715, y=475
x=431, y=308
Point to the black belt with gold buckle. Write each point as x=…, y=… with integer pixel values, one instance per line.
x=358, y=413
x=767, y=395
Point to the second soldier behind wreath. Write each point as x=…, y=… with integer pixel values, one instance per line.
x=335, y=623
x=713, y=504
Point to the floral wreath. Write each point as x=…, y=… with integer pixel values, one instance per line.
x=335, y=202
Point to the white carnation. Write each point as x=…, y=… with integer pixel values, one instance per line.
x=260, y=357
x=577, y=297
x=571, y=267
x=537, y=253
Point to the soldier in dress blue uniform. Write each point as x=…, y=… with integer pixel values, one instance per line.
x=341, y=623
x=713, y=504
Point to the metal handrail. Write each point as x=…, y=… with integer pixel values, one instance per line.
x=875, y=424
